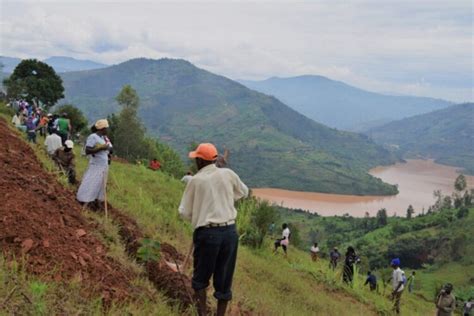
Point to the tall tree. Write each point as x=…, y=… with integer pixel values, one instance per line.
x=36, y=82
x=410, y=211
x=382, y=217
x=77, y=118
x=129, y=132
x=460, y=183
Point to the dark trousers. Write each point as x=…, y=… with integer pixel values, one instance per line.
x=215, y=254
x=63, y=137
x=31, y=135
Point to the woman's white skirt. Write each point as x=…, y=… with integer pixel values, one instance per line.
x=93, y=183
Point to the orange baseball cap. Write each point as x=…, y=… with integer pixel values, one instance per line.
x=205, y=151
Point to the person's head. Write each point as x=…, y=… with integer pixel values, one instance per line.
x=448, y=288
x=395, y=263
x=413, y=273
x=369, y=272
x=68, y=145
x=154, y=159
x=350, y=250
x=205, y=154
x=64, y=115
x=284, y=226
x=335, y=249
x=189, y=173
x=101, y=127
x=315, y=244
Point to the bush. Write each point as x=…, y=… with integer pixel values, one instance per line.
x=259, y=215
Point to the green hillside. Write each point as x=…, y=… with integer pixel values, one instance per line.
x=445, y=135
x=438, y=245
x=271, y=145
x=265, y=284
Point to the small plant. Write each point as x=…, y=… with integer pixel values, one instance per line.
x=149, y=251
x=38, y=290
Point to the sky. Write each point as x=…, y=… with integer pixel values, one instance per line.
x=422, y=48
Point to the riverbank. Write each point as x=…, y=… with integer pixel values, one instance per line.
x=416, y=179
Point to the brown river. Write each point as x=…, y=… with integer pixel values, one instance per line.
x=416, y=179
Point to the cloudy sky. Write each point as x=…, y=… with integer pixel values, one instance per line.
x=403, y=47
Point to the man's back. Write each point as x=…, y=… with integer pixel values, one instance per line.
x=52, y=142
x=210, y=196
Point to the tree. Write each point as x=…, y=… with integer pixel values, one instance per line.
x=78, y=120
x=128, y=98
x=36, y=82
x=128, y=134
x=381, y=217
x=460, y=183
x=410, y=211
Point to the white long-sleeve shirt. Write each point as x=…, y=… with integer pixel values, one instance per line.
x=210, y=195
x=53, y=142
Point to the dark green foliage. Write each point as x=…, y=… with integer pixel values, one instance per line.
x=445, y=135
x=382, y=217
x=77, y=118
x=35, y=82
x=150, y=250
x=410, y=211
x=460, y=183
x=261, y=218
x=462, y=212
x=270, y=144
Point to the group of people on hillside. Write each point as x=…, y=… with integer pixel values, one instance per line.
x=208, y=203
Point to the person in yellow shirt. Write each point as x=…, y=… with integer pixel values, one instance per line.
x=208, y=202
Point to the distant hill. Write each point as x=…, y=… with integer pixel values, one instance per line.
x=271, y=144
x=340, y=105
x=445, y=135
x=63, y=64
x=59, y=63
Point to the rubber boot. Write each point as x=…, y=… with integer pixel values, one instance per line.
x=201, y=302
x=221, y=307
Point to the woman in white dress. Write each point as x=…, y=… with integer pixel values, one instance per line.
x=98, y=147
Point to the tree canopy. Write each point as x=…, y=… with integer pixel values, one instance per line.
x=35, y=82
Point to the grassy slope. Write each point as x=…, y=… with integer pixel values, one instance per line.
x=446, y=267
x=264, y=283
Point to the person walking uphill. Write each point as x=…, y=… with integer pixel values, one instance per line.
x=349, y=262
x=446, y=302
x=97, y=149
x=398, y=280
x=208, y=202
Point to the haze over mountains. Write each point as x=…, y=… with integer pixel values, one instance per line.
x=445, y=135
x=59, y=63
x=340, y=105
x=271, y=145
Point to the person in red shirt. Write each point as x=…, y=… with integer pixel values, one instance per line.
x=154, y=165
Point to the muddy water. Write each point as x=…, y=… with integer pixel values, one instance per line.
x=416, y=179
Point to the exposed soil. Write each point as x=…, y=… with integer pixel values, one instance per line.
x=41, y=221
x=172, y=283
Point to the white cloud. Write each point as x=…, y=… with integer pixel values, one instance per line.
x=422, y=47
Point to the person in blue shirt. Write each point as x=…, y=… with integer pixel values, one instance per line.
x=371, y=280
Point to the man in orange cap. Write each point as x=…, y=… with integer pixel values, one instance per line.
x=208, y=202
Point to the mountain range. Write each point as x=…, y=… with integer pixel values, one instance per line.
x=445, y=135
x=271, y=144
x=59, y=63
x=340, y=105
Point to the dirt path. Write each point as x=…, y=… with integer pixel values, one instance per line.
x=41, y=220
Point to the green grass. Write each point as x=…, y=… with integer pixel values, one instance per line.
x=264, y=283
